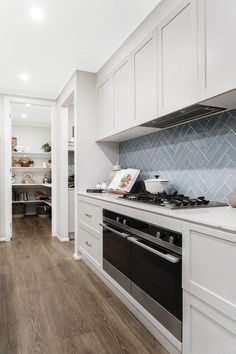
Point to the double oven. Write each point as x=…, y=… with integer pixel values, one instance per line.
x=146, y=261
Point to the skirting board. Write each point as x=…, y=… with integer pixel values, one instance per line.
x=66, y=239
x=78, y=257
x=137, y=310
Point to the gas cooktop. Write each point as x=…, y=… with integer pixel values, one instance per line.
x=172, y=201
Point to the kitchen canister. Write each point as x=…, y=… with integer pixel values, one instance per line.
x=232, y=198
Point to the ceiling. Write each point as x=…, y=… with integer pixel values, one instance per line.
x=34, y=115
x=74, y=34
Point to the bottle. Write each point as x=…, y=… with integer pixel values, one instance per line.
x=45, y=179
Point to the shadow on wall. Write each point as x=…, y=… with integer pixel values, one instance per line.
x=198, y=158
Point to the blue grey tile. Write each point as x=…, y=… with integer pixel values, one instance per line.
x=197, y=157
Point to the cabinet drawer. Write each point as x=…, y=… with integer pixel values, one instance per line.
x=90, y=214
x=90, y=244
x=209, y=267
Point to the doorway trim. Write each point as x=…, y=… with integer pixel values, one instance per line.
x=8, y=100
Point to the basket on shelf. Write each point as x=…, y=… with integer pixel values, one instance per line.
x=42, y=211
x=18, y=211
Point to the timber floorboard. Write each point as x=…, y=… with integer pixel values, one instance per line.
x=50, y=304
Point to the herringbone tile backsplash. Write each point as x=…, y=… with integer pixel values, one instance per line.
x=198, y=158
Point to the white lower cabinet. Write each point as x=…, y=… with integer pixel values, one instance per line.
x=90, y=245
x=209, y=264
x=89, y=235
x=206, y=330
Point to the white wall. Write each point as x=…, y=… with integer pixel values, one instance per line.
x=32, y=137
x=61, y=156
x=2, y=170
x=156, y=16
x=95, y=160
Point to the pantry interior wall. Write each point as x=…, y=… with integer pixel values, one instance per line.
x=6, y=160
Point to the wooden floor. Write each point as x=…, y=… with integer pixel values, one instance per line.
x=50, y=304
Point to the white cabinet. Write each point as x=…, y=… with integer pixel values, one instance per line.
x=89, y=235
x=217, y=52
x=90, y=245
x=105, y=107
x=145, y=79
x=122, y=96
x=177, y=65
x=205, y=330
x=209, y=258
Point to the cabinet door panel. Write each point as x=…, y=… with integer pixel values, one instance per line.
x=122, y=96
x=217, y=52
x=207, y=331
x=145, y=80
x=177, y=37
x=209, y=267
x=104, y=96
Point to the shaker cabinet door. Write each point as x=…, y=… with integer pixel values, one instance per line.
x=145, y=79
x=205, y=330
x=177, y=65
x=217, y=50
x=105, y=110
x=122, y=96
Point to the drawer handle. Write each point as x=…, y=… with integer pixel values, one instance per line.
x=88, y=244
x=88, y=215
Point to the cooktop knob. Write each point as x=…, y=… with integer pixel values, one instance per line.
x=117, y=219
x=124, y=222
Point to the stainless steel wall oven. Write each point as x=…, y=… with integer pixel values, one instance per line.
x=146, y=260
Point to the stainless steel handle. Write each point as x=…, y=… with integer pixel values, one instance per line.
x=168, y=257
x=88, y=244
x=122, y=234
x=88, y=215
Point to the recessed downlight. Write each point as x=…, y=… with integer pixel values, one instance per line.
x=24, y=115
x=28, y=105
x=24, y=77
x=36, y=13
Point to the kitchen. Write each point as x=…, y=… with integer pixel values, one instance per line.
x=155, y=167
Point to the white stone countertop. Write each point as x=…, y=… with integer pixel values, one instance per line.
x=218, y=217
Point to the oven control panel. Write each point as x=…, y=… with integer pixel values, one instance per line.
x=140, y=227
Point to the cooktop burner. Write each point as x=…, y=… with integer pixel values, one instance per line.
x=172, y=201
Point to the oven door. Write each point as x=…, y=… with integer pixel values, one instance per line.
x=117, y=255
x=156, y=283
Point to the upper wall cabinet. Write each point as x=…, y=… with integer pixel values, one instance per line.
x=105, y=107
x=145, y=79
x=217, y=52
x=122, y=95
x=177, y=65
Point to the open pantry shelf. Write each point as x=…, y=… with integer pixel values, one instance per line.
x=27, y=201
x=31, y=154
x=31, y=168
x=48, y=185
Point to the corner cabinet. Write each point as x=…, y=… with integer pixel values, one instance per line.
x=122, y=96
x=144, y=59
x=217, y=51
x=177, y=58
x=105, y=107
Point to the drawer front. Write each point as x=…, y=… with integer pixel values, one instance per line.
x=209, y=267
x=90, y=214
x=90, y=244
